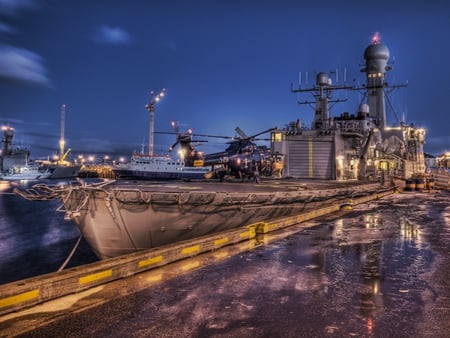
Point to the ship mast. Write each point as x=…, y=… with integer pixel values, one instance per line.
x=151, y=108
x=61, y=139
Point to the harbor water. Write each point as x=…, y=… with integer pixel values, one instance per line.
x=34, y=238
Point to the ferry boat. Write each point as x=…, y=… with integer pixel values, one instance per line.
x=146, y=167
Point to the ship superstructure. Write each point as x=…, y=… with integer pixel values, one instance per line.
x=352, y=146
x=11, y=155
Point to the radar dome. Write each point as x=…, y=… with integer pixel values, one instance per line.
x=364, y=108
x=376, y=51
x=322, y=79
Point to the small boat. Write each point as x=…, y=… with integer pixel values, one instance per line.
x=26, y=172
x=147, y=167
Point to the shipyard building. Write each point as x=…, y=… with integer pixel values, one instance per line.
x=352, y=146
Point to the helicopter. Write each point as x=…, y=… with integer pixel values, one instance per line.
x=243, y=158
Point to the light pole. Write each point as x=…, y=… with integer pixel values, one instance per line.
x=151, y=108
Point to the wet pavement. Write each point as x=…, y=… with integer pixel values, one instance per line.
x=380, y=270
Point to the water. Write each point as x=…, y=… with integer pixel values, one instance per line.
x=34, y=238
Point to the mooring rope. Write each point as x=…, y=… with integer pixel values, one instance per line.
x=70, y=255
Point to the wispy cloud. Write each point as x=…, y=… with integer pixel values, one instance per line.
x=22, y=65
x=5, y=28
x=112, y=35
x=12, y=7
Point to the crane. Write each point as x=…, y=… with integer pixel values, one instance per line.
x=151, y=108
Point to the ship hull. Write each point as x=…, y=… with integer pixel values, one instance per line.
x=126, y=219
x=25, y=177
x=58, y=172
x=25, y=173
x=158, y=175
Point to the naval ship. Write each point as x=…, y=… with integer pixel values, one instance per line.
x=338, y=158
x=12, y=156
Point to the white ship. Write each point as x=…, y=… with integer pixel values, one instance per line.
x=26, y=172
x=146, y=167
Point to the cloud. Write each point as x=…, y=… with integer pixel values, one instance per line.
x=112, y=35
x=12, y=7
x=22, y=65
x=5, y=28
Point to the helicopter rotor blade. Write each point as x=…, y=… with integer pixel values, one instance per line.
x=165, y=132
x=215, y=136
x=262, y=132
x=174, y=145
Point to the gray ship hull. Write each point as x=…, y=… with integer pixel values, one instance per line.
x=70, y=171
x=126, y=218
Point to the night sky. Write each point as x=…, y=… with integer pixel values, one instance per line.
x=223, y=63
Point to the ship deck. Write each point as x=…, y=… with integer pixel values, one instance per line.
x=266, y=186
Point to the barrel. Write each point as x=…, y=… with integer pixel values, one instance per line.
x=410, y=184
x=420, y=184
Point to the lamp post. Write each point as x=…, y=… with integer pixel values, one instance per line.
x=151, y=108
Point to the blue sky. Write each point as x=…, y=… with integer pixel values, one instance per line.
x=223, y=63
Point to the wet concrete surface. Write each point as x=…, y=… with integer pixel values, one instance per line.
x=380, y=270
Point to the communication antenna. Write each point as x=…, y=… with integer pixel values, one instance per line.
x=61, y=139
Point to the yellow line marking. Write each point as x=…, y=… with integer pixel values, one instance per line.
x=221, y=241
x=190, y=249
x=273, y=226
x=95, y=276
x=21, y=297
x=150, y=261
x=245, y=234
